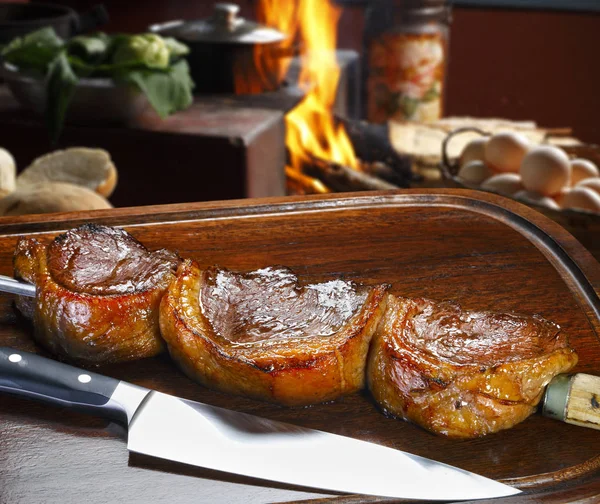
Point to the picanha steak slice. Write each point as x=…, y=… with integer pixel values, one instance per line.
x=263, y=335
x=98, y=292
x=462, y=373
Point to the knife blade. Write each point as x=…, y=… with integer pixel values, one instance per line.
x=168, y=427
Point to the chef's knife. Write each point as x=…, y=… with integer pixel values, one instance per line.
x=171, y=428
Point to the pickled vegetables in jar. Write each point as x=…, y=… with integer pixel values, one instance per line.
x=406, y=46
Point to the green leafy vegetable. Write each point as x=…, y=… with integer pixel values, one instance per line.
x=45, y=37
x=89, y=49
x=149, y=50
x=34, y=51
x=60, y=88
x=167, y=91
x=176, y=48
x=148, y=61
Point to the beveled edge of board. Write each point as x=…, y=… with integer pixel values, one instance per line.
x=576, y=265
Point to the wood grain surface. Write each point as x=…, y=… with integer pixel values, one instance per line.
x=481, y=250
x=584, y=225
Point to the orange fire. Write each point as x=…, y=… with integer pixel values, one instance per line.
x=284, y=17
x=311, y=130
x=271, y=62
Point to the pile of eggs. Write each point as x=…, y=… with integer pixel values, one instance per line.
x=543, y=174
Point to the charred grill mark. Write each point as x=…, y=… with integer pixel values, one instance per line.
x=594, y=402
x=433, y=383
x=88, y=227
x=503, y=402
x=292, y=364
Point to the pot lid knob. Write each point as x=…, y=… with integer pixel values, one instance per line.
x=226, y=15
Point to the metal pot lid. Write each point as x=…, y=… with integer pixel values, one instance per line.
x=224, y=26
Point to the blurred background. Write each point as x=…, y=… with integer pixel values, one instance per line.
x=520, y=59
x=397, y=77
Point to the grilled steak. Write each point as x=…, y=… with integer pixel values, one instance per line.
x=97, y=293
x=262, y=335
x=462, y=373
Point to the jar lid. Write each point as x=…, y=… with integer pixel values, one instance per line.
x=424, y=10
x=224, y=26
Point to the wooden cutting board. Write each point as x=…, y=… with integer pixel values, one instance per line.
x=481, y=250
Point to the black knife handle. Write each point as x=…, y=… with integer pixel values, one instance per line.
x=35, y=377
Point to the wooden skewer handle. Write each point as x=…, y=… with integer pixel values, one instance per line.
x=574, y=399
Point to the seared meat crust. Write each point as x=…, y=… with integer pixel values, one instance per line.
x=462, y=373
x=98, y=292
x=102, y=297
x=262, y=335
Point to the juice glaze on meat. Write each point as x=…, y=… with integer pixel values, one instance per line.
x=264, y=335
x=269, y=304
x=463, y=373
x=98, y=291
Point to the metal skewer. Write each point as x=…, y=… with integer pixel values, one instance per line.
x=12, y=286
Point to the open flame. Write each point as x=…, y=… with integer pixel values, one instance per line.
x=271, y=62
x=311, y=129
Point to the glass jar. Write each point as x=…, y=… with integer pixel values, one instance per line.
x=406, y=47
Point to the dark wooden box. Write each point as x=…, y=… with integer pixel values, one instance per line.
x=212, y=151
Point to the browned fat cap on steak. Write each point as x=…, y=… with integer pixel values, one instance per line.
x=463, y=373
x=263, y=335
x=98, y=292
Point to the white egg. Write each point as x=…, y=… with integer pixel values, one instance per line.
x=582, y=198
x=475, y=172
x=504, y=183
x=592, y=183
x=505, y=151
x=473, y=151
x=546, y=170
x=537, y=198
x=582, y=169
x=560, y=197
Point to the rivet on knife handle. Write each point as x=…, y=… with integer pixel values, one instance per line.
x=29, y=375
x=574, y=399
